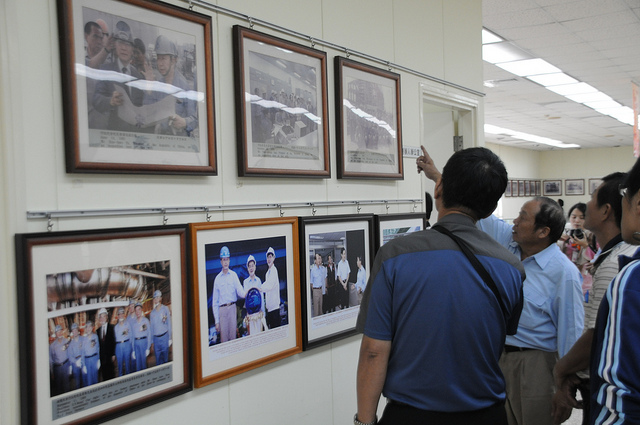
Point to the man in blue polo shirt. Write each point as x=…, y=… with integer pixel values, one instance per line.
x=433, y=327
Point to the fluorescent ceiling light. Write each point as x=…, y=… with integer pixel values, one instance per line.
x=597, y=96
x=503, y=52
x=567, y=89
x=623, y=114
x=529, y=67
x=489, y=37
x=492, y=129
x=604, y=104
x=555, y=79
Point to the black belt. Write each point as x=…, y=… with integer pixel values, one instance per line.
x=142, y=337
x=61, y=364
x=158, y=336
x=88, y=357
x=77, y=357
x=513, y=349
x=120, y=342
x=227, y=304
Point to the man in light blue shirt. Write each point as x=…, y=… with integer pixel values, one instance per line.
x=361, y=280
x=160, y=318
x=318, y=283
x=226, y=291
x=553, y=315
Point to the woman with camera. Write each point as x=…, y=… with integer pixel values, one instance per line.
x=579, y=244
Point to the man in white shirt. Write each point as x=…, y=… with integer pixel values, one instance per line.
x=271, y=289
x=342, y=273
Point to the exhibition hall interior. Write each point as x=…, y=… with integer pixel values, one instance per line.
x=194, y=191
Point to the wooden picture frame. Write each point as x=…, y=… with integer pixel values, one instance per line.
x=593, y=185
x=281, y=107
x=68, y=281
x=552, y=188
x=137, y=120
x=507, y=191
x=227, y=344
x=574, y=187
x=330, y=235
x=521, y=188
x=368, y=121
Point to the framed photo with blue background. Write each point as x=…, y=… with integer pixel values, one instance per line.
x=246, y=296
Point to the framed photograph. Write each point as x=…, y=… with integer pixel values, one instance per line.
x=137, y=80
x=507, y=192
x=574, y=187
x=368, y=121
x=391, y=226
x=336, y=254
x=521, y=188
x=552, y=188
x=593, y=185
x=538, y=188
x=527, y=188
x=102, y=321
x=514, y=188
x=246, y=310
x=281, y=107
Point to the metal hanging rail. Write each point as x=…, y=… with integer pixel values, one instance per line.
x=252, y=21
x=35, y=215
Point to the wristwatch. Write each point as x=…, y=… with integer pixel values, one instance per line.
x=357, y=422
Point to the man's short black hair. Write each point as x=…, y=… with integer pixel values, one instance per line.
x=551, y=216
x=89, y=25
x=632, y=182
x=475, y=179
x=609, y=193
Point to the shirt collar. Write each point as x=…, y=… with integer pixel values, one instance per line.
x=543, y=257
x=623, y=260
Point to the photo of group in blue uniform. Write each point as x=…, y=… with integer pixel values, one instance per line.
x=246, y=288
x=106, y=323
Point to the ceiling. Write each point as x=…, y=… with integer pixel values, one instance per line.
x=594, y=41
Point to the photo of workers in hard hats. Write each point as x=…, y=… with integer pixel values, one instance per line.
x=246, y=288
x=107, y=322
x=140, y=79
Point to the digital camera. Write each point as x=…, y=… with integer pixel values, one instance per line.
x=576, y=233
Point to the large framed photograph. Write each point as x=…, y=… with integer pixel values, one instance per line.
x=137, y=87
x=103, y=322
x=246, y=309
x=368, y=121
x=593, y=185
x=391, y=226
x=281, y=107
x=574, y=187
x=336, y=255
x=552, y=188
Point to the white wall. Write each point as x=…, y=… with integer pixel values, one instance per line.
x=436, y=37
x=559, y=165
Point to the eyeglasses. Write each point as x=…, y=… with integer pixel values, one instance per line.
x=622, y=190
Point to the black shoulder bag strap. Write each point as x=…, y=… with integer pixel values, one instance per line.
x=478, y=266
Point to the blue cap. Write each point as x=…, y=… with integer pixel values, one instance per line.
x=224, y=252
x=157, y=293
x=58, y=328
x=138, y=305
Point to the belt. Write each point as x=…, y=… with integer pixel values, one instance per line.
x=142, y=337
x=87, y=357
x=120, y=342
x=227, y=304
x=513, y=349
x=61, y=364
x=158, y=336
x=319, y=289
x=77, y=357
